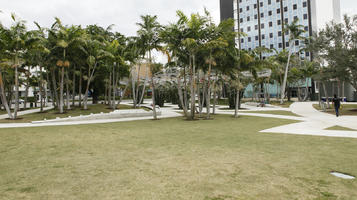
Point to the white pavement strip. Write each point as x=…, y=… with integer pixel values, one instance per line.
x=311, y=123
x=316, y=122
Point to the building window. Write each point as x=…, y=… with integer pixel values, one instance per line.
x=306, y=28
x=248, y=29
x=263, y=37
x=297, y=42
x=287, y=44
x=269, y=2
x=242, y=40
x=248, y=18
x=278, y=11
x=270, y=24
x=241, y=30
x=256, y=27
x=255, y=16
x=241, y=20
x=262, y=26
x=304, y=4
x=295, y=6
x=247, y=8
x=256, y=38
x=277, y=1
x=271, y=46
x=279, y=22
x=249, y=39
x=305, y=16
x=255, y=6
x=307, y=54
x=270, y=13
x=295, y=18
x=285, y=9
x=279, y=33
x=280, y=45
x=271, y=35
x=261, y=4
x=262, y=15
x=286, y=20
x=240, y=10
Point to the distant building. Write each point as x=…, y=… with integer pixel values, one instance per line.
x=263, y=21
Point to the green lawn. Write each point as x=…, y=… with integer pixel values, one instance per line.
x=347, y=109
x=275, y=112
x=225, y=158
x=340, y=128
x=52, y=114
x=286, y=104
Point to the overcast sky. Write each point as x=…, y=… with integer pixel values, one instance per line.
x=123, y=13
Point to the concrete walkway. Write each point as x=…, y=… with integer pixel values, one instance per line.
x=312, y=122
x=4, y=116
x=315, y=123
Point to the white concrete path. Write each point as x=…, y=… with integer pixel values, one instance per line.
x=315, y=123
x=312, y=122
x=36, y=110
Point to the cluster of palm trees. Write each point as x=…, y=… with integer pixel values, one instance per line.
x=72, y=60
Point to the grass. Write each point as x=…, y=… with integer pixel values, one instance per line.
x=225, y=158
x=347, y=109
x=286, y=104
x=275, y=112
x=340, y=128
x=52, y=114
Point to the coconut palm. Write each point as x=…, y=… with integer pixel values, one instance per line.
x=295, y=32
x=148, y=32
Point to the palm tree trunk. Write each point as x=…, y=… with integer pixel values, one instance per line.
x=113, y=81
x=27, y=88
x=286, y=73
x=153, y=87
x=123, y=94
x=326, y=94
x=193, y=93
x=133, y=87
x=74, y=86
x=185, y=90
x=198, y=94
x=236, y=104
x=208, y=96
x=137, y=86
x=41, y=90
x=67, y=91
x=116, y=86
x=3, y=97
x=184, y=107
x=143, y=91
x=110, y=90
x=90, y=76
x=61, y=91
x=80, y=88
x=16, y=92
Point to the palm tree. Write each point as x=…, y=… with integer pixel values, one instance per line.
x=19, y=41
x=149, y=33
x=295, y=32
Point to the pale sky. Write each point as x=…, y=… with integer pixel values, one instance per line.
x=123, y=13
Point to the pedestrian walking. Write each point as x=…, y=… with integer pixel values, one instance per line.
x=337, y=104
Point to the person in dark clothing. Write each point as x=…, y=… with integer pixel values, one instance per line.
x=337, y=105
